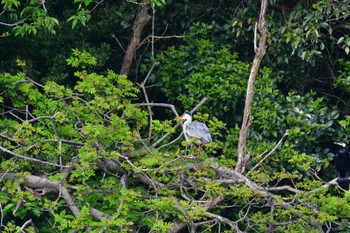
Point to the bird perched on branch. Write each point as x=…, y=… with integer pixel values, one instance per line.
x=197, y=130
x=342, y=164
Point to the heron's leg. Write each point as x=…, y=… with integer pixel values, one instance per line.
x=198, y=152
x=192, y=148
x=187, y=148
x=200, y=146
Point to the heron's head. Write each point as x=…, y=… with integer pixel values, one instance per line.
x=186, y=116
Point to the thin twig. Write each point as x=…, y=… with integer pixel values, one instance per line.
x=36, y=83
x=172, y=107
x=120, y=44
x=143, y=83
x=278, y=145
x=148, y=38
x=97, y=4
x=326, y=185
x=219, y=218
x=29, y=222
x=284, y=187
x=57, y=140
x=34, y=119
x=167, y=144
x=31, y=159
x=13, y=24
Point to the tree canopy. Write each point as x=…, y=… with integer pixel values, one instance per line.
x=91, y=92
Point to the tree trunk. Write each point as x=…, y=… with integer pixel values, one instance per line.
x=141, y=20
x=243, y=155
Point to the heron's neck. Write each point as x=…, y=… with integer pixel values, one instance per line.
x=188, y=120
x=184, y=125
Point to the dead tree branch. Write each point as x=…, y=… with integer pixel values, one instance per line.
x=42, y=183
x=243, y=155
x=142, y=18
x=265, y=192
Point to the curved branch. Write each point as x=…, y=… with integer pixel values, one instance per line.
x=13, y=24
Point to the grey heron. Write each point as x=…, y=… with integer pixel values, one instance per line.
x=197, y=130
x=342, y=164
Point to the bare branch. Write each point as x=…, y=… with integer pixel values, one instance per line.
x=13, y=24
x=19, y=203
x=37, y=182
x=326, y=185
x=159, y=105
x=142, y=85
x=34, y=119
x=31, y=159
x=278, y=145
x=141, y=20
x=243, y=155
x=97, y=4
x=152, y=38
x=29, y=222
x=36, y=83
x=219, y=218
x=167, y=144
x=255, y=35
x=178, y=225
x=120, y=44
x=343, y=26
x=284, y=187
x=97, y=214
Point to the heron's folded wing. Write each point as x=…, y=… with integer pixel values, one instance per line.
x=199, y=130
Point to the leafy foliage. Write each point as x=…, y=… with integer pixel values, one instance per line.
x=79, y=154
x=199, y=68
x=97, y=111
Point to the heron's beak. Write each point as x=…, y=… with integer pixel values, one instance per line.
x=342, y=144
x=180, y=118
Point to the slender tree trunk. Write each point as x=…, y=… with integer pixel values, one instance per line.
x=142, y=18
x=243, y=155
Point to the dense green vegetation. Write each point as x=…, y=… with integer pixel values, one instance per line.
x=91, y=91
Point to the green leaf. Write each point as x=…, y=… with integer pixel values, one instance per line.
x=9, y=207
x=340, y=40
x=36, y=212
